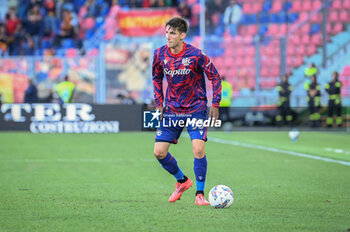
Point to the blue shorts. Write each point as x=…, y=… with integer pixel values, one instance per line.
x=170, y=128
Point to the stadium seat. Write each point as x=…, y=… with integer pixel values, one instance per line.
x=293, y=17
x=337, y=4
x=286, y=6
x=316, y=18
x=296, y=6
x=316, y=4
x=67, y=43
x=315, y=28
x=344, y=16
x=276, y=7
x=307, y=5
x=71, y=52
x=333, y=16
x=311, y=49
x=316, y=39
x=346, y=5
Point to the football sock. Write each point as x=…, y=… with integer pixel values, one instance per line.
x=169, y=163
x=183, y=180
x=200, y=170
x=199, y=192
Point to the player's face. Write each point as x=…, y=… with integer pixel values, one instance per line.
x=174, y=37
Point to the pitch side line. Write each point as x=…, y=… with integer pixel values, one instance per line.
x=293, y=153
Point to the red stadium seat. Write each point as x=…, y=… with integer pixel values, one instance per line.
x=247, y=8
x=316, y=18
x=316, y=39
x=276, y=7
x=251, y=51
x=311, y=49
x=257, y=7
x=283, y=29
x=273, y=29
x=264, y=72
x=337, y=28
x=303, y=16
x=316, y=4
x=307, y=5
x=296, y=6
x=337, y=4
x=305, y=29
x=301, y=50
x=346, y=5
x=252, y=30
x=344, y=16
x=291, y=50
x=333, y=16
x=305, y=39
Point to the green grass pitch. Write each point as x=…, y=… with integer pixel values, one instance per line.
x=111, y=182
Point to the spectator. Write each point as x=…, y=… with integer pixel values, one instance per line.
x=22, y=42
x=50, y=20
x=11, y=22
x=232, y=17
x=4, y=40
x=35, y=25
x=66, y=29
x=31, y=94
x=185, y=10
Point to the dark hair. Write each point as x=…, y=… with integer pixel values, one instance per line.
x=178, y=23
x=336, y=74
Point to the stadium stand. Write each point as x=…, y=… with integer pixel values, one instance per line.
x=71, y=28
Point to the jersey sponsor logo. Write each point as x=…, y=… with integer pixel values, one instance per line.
x=172, y=73
x=186, y=61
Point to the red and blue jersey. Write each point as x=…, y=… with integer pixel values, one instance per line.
x=186, y=91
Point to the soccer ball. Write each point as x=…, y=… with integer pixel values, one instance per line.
x=220, y=196
x=294, y=134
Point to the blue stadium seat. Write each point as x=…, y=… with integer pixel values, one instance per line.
x=264, y=17
x=262, y=30
x=293, y=17
x=61, y=52
x=249, y=19
x=315, y=28
x=266, y=6
x=286, y=6
x=68, y=43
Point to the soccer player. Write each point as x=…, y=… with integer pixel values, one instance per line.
x=183, y=66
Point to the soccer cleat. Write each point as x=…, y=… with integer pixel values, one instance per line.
x=179, y=189
x=200, y=200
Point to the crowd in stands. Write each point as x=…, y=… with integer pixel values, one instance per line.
x=36, y=27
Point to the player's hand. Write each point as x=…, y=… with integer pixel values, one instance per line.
x=160, y=109
x=214, y=113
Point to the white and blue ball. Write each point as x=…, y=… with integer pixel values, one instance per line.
x=221, y=196
x=294, y=135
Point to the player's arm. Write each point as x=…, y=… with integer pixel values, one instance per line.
x=157, y=78
x=209, y=69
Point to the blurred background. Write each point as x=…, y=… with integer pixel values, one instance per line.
x=106, y=46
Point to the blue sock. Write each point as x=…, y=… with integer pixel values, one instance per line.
x=200, y=170
x=169, y=163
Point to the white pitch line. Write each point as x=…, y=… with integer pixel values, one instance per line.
x=293, y=153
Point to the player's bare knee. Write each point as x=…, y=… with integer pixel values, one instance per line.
x=198, y=152
x=159, y=154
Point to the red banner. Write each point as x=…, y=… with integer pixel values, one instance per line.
x=144, y=22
